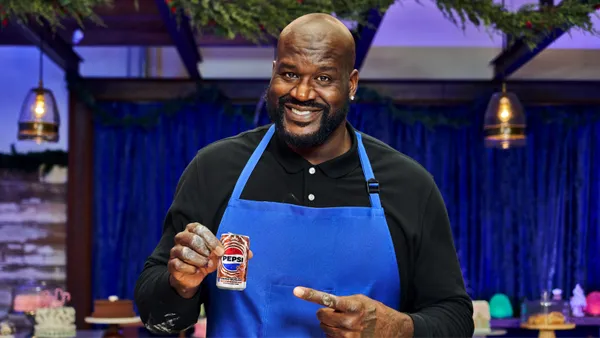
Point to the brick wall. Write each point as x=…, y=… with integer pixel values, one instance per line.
x=32, y=229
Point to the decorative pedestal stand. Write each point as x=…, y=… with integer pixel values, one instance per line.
x=486, y=333
x=547, y=331
x=113, y=325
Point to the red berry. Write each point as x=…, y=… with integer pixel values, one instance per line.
x=528, y=24
x=4, y=22
x=173, y=10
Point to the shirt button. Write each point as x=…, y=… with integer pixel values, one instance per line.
x=311, y=197
x=312, y=171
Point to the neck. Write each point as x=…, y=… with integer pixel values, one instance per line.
x=338, y=143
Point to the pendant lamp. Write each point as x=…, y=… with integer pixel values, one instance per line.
x=39, y=120
x=504, y=121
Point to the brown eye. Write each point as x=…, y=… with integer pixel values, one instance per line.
x=290, y=75
x=323, y=78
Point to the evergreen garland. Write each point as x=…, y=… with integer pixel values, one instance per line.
x=210, y=94
x=205, y=93
x=259, y=20
x=418, y=113
x=31, y=162
x=426, y=115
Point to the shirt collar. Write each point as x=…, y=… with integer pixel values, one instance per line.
x=334, y=168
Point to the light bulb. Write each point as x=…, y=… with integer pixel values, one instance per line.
x=504, y=111
x=40, y=106
x=504, y=115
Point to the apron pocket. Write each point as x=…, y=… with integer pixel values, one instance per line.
x=289, y=316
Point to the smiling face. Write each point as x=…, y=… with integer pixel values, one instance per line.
x=309, y=94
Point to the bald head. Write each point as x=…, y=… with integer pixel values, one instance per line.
x=320, y=32
x=312, y=83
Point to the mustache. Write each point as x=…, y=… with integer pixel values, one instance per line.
x=312, y=104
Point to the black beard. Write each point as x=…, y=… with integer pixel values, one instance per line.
x=329, y=121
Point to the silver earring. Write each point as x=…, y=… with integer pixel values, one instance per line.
x=351, y=97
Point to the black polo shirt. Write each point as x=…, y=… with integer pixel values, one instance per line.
x=432, y=288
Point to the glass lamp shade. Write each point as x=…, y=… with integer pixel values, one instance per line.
x=39, y=119
x=504, y=122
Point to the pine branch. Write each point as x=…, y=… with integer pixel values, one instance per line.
x=259, y=20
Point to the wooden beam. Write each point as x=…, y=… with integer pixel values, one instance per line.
x=124, y=36
x=53, y=46
x=442, y=92
x=80, y=210
x=519, y=53
x=365, y=35
x=183, y=38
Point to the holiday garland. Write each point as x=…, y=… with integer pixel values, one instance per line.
x=204, y=93
x=258, y=20
x=210, y=94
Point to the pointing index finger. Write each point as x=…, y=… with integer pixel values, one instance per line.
x=317, y=297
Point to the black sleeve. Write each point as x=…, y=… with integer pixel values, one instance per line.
x=161, y=308
x=443, y=307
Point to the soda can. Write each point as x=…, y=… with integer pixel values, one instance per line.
x=233, y=266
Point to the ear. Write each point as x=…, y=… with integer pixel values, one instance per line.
x=353, y=83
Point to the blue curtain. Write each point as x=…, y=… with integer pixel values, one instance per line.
x=136, y=170
x=524, y=220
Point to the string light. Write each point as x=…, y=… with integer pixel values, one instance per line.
x=504, y=121
x=39, y=119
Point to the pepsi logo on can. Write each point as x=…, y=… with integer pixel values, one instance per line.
x=232, y=259
x=232, y=269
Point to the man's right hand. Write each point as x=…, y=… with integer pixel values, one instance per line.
x=195, y=255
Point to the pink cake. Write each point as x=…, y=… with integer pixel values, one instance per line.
x=27, y=303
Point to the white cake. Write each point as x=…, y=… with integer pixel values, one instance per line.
x=481, y=316
x=7, y=329
x=56, y=322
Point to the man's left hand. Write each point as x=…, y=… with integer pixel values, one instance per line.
x=356, y=315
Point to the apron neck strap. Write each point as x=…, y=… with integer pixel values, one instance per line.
x=256, y=155
x=371, y=183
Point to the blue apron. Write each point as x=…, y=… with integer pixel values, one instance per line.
x=340, y=250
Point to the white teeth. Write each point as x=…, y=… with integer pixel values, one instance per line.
x=301, y=112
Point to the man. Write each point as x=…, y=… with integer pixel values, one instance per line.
x=348, y=237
